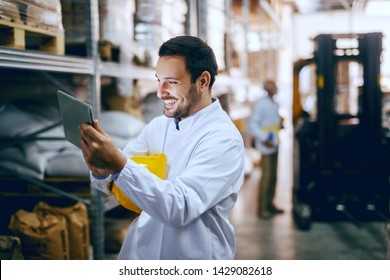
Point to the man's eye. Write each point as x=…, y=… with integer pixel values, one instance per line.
x=172, y=82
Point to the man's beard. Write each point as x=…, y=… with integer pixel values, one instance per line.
x=183, y=112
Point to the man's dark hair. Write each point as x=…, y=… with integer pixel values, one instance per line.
x=198, y=55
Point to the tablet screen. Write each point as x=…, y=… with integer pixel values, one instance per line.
x=74, y=112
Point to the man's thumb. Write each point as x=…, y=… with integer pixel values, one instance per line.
x=96, y=125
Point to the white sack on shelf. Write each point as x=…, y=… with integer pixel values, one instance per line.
x=31, y=164
x=15, y=122
x=120, y=124
x=34, y=158
x=67, y=163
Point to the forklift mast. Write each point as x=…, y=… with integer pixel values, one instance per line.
x=341, y=155
x=368, y=53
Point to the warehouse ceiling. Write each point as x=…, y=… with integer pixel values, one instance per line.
x=313, y=6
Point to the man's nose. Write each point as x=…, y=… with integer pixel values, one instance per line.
x=161, y=88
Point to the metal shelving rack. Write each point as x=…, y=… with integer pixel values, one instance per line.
x=35, y=60
x=90, y=66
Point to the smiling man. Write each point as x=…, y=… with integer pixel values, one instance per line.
x=186, y=214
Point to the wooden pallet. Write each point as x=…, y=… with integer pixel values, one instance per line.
x=23, y=36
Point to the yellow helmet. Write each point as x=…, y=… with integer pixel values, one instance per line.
x=155, y=164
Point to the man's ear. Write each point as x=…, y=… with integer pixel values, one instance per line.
x=204, y=80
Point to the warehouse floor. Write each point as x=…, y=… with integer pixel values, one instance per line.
x=278, y=238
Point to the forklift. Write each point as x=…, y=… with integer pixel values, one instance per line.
x=341, y=150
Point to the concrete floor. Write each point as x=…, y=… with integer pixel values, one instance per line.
x=278, y=238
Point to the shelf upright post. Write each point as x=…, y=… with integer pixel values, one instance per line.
x=228, y=35
x=202, y=7
x=96, y=209
x=192, y=18
x=245, y=23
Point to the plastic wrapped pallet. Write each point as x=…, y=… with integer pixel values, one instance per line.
x=44, y=13
x=9, y=11
x=32, y=24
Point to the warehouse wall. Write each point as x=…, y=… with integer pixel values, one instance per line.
x=306, y=27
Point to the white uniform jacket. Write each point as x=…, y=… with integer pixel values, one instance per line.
x=265, y=120
x=185, y=216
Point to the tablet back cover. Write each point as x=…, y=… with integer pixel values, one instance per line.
x=74, y=112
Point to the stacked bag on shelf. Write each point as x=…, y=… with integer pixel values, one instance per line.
x=121, y=126
x=56, y=233
x=33, y=158
x=41, y=237
x=53, y=158
x=30, y=157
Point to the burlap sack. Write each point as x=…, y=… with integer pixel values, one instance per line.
x=77, y=224
x=10, y=248
x=41, y=237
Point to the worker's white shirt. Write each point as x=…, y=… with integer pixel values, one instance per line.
x=265, y=119
x=186, y=215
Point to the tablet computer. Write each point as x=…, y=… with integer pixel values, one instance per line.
x=74, y=112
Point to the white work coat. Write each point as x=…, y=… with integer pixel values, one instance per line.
x=185, y=216
x=264, y=124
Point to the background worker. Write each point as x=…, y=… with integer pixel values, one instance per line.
x=264, y=125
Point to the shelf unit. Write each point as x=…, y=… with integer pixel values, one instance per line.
x=49, y=63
